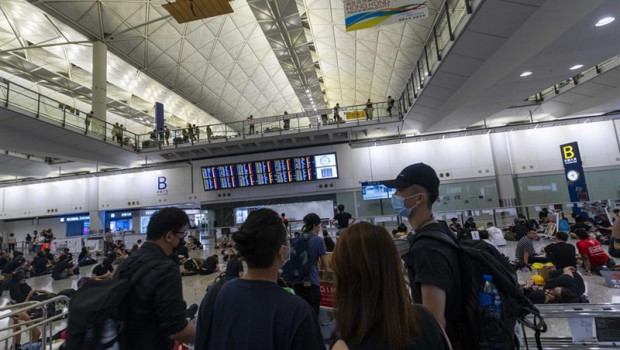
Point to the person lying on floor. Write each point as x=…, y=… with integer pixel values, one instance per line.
x=562, y=286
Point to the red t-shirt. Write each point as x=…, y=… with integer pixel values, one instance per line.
x=593, y=250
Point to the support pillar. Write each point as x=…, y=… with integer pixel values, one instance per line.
x=502, y=162
x=99, y=87
x=97, y=219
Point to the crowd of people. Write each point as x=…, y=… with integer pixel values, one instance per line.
x=393, y=291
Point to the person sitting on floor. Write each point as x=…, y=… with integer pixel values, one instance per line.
x=63, y=268
x=484, y=236
x=496, y=235
x=119, y=254
x=592, y=253
x=84, y=259
x=560, y=253
x=103, y=271
x=20, y=291
x=49, y=256
x=40, y=265
x=525, y=252
x=3, y=259
x=210, y=265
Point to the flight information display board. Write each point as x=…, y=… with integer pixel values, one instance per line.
x=270, y=172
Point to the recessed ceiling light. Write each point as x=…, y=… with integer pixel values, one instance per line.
x=604, y=21
x=525, y=74
x=577, y=66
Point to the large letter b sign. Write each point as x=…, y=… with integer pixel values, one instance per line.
x=161, y=183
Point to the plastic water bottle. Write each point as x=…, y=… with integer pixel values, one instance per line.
x=109, y=334
x=490, y=300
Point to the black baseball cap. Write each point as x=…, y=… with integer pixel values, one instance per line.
x=415, y=174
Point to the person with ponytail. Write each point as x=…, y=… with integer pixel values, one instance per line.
x=253, y=312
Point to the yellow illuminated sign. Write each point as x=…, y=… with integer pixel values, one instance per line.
x=568, y=152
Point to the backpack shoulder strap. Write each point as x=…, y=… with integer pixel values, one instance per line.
x=437, y=236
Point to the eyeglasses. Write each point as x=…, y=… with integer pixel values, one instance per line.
x=183, y=233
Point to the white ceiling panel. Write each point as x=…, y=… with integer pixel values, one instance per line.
x=371, y=63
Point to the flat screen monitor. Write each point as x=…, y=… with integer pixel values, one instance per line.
x=375, y=190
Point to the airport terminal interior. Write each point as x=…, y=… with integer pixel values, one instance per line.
x=112, y=110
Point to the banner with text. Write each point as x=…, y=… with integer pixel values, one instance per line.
x=363, y=14
x=573, y=169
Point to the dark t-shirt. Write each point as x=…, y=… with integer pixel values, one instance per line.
x=343, y=219
x=157, y=308
x=101, y=270
x=233, y=269
x=49, y=256
x=557, y=278
x=59, y=267
x=519, y=230
x=209, y=265
x=258, y=315
x=431, y=338
x=561, y=254
x=39, y=265
x=19, y=291
x=435, y=263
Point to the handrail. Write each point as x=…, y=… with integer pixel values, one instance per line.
x=274, y=125
x=13, y=94
x=567, y=311
x=591, y=72
x=441, y=34
x=44, y=322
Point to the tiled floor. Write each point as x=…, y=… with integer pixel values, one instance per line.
x=194, y=286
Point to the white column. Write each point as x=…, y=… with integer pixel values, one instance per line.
x=503, y=169
x=99, y=88
x=96, y=216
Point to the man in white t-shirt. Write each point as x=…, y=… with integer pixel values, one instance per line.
x=496, y=235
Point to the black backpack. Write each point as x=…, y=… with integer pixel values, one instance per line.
x=207, y=307
x=477, y=258
x=97, y=306
x=297, y=269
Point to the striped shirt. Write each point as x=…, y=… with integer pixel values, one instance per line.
x=525, y=245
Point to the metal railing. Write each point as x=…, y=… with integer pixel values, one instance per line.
x=568, y=84
x=30, y=102
x=348, y=116
x=54, y=112
x=573, y=311
x=435, y=48
x=8, y=312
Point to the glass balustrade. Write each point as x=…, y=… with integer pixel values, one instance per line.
x=58, y=113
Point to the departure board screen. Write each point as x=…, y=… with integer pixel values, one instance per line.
x=270, y=172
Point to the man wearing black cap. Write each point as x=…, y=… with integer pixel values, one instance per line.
x=432, y=265
x=309, y=288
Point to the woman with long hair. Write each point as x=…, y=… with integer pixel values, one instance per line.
x=253, y=312
x=374, y=307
